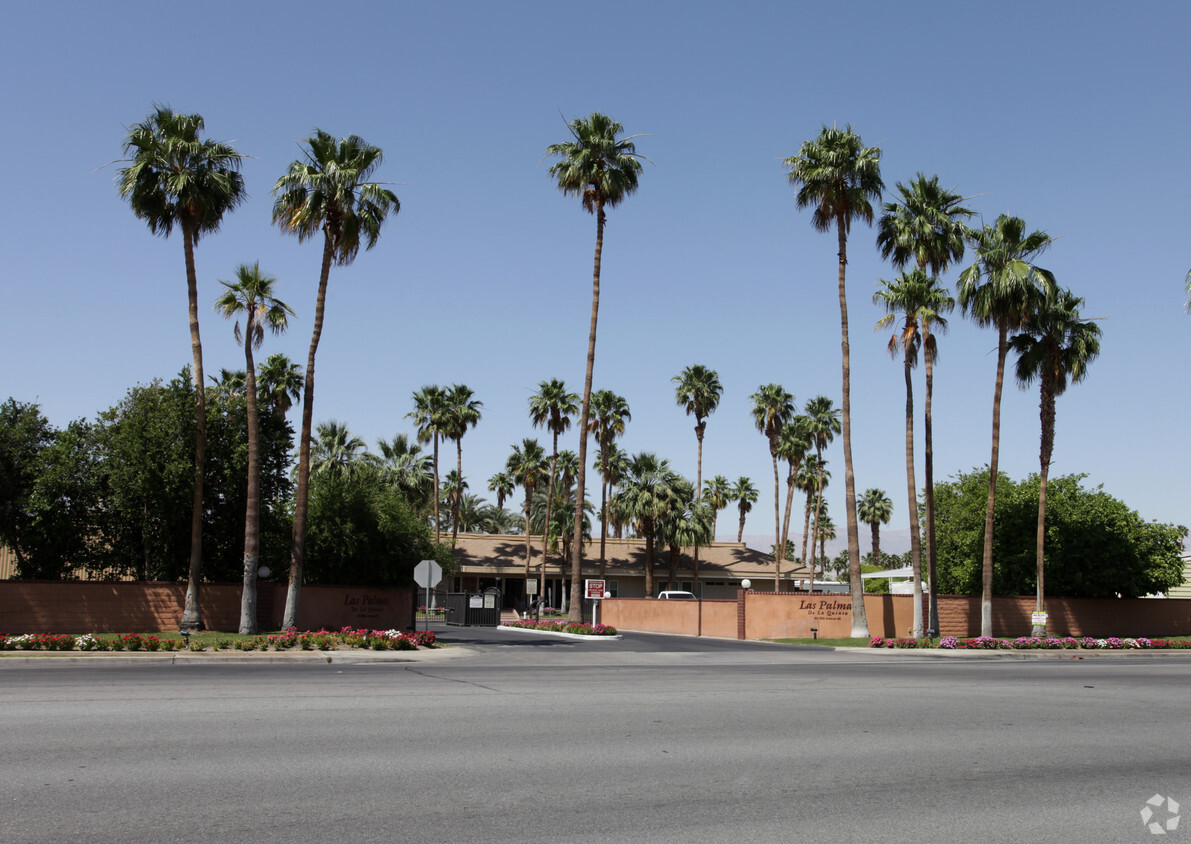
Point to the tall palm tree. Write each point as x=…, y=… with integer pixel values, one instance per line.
x=718, y=492
x=686, y=524
x=609, y=413
x=528, y=465
x=793, y=444
x=914, y=295
x=744, y=493
x=1055, y=347
x=230, y=383
x=430, y=417
x=823, y=424
x=1000, y=289
x=875, y=508
x=174, y=177
x=502, y=485
x=618, y=470
x=926, y=225
x=601, y=168
x=327, y=193
x=698, y=392
x=552, y=407
x=772, y=409
x=813, y=478
x=462, y=412
x=279, y=382
x=840, y=178
x=644, y=500
x=407, y=468
x=251, y=294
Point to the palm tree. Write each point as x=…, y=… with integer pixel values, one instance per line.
x=813, y=478
x=601, y=169
x=502, y=485
x=251, y=294
x=552, y=407
x=337, y=452
x=718, y=492
x=1000, y=289
x=772, y=409
x=875, y=508
x=279, y=382
x=430, y=417
x=840, y=177
x=528, y=465
x=452, y=491
x=407, y=468
x=686, y=524
x=462, y=412
x=824, y=530
x=609, y=413
x=618, y=470
x=230, y=382
x=745, y=496
x=644, y=500
x=174, y=177
x=926, y=226
x=1054, y=347
x=824, y=424
x=473, y=513
x=698, y=392
x=913, y=294
x=793, y=444
x=328, y=192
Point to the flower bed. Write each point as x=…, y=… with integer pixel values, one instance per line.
x=583, y=629
x=322, y=640
x=1033, y=643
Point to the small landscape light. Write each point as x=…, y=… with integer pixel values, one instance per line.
x=264, y=571
x=746, y=584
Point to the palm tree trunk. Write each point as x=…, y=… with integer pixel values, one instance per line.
x=437, y=527
x=575, y=613
x=876, y=527
x=806, y=534
x=699, y=497
x=987, y=578
x=549, y=502
x=297, y=558
x=528, y=539
x=252, y=515
x=786, y=519
x=192, y=611
x=912, y=503
x=859, y=619
x=458, y=492
x=649, y=563
x=603, y=512
x=818, y=511
x=777, y=529
x=929, y=464
x=1047, y=412
x=740, y=530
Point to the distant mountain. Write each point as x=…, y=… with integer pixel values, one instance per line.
x=892, y=541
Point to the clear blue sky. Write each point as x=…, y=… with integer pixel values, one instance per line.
x=1072, y=117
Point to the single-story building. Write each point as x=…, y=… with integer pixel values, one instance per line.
x=485, y=560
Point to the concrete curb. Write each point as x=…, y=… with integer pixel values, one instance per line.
x=574, y=636
x=40, y=659
x=1015, y=653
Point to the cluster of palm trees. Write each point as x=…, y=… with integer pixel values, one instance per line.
x=177, y=178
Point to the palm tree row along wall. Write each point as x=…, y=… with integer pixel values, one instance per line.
x=175, y=177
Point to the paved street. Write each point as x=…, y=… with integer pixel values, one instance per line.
x=511, y=736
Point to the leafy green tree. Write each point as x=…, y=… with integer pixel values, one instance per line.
x=1000, y=289
x=364, y=533
x=840, y=178
x=552, y=407
x=328, y=193
x=1096, y=547
x=251, y=294
x=875, y=508
x=601, y=168
x=926, y=227
x=773, y=407
x=176, y=178
x=609, y=414
x=229, y=384
x=745, y=494
x=1055, y=347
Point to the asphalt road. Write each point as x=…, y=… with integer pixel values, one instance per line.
x=512, y=737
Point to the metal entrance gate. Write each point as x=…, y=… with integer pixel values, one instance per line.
x=474, y=609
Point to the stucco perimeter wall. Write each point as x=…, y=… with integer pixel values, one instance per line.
x=84, y=607
x=715, y=618
x=959, y=615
